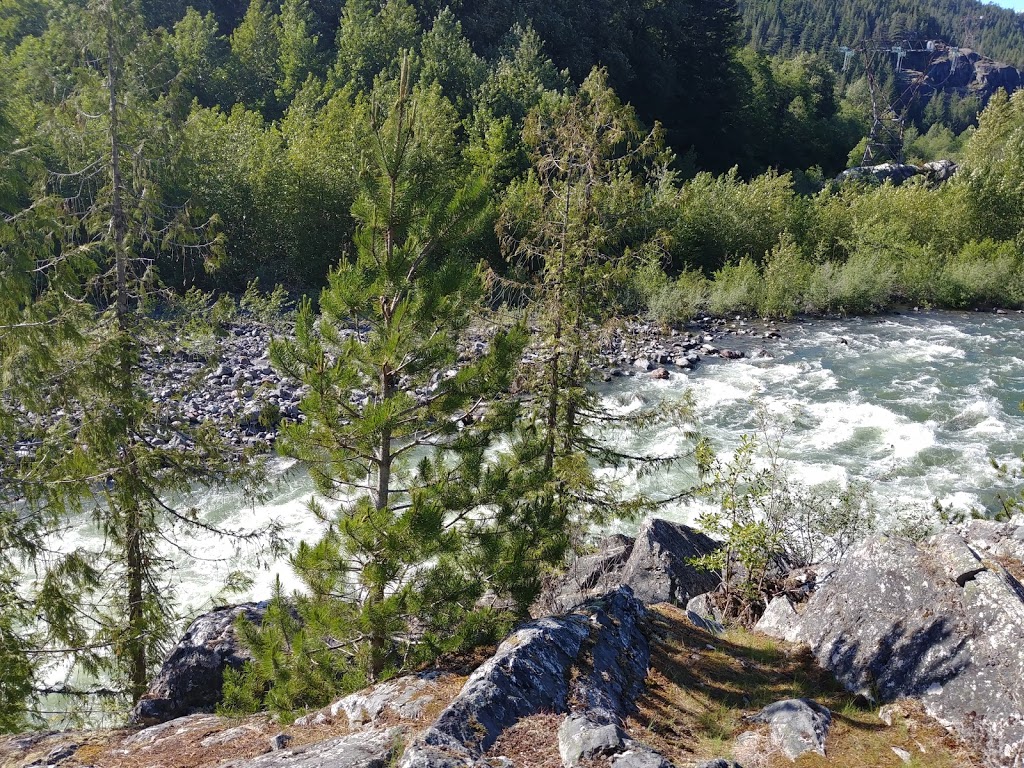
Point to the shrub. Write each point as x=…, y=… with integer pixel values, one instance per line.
x=865, y=283
x=676, y=301
x=720, y=217
x=736, y=288
x=787, y=276
x=985, y=273
x=768, y=523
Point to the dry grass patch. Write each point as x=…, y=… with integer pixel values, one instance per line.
x=700, y=688
x=531, y=743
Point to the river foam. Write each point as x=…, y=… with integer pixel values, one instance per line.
x=917, y=406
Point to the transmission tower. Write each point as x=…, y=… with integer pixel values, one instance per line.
x=888, y=119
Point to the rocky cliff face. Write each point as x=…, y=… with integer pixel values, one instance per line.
x=941, y=621
x=967, y=72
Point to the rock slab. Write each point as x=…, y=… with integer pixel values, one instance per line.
x=655, y=566
x=363, y=749
x=798, y=726
x=933, y=621
x=591, y=663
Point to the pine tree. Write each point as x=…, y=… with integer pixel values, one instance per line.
x=394, y=432
x=579, y=225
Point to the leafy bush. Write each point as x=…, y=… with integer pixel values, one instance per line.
x=267, y=308
x=787, y=275
x=768, y=523
x=984, y=273
x=675, y=301
x=723, y=217
x=865, y=283
x=736, y=288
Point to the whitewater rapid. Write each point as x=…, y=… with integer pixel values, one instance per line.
x=914, y=405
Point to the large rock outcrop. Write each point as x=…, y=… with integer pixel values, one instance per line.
x=191, y=678
x=967, y=73
x=590, y=664
x=655, y=566
x=940, y=621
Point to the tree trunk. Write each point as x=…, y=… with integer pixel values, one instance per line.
x=134, y=555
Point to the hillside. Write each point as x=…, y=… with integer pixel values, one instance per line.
x=786, y=26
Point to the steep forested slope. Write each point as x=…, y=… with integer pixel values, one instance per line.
x=783, y=26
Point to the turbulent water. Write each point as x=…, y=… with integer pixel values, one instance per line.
x=916, y=405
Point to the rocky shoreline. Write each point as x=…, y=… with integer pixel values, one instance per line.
x=237, y=388
x=924, y=635
x=247, y=398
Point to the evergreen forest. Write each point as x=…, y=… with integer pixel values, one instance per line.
x=374, y=179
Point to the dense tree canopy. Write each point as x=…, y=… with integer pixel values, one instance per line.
x=787, y=26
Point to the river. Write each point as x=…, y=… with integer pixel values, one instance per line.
x=914, y=405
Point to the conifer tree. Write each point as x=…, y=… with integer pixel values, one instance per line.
x=578, y=226
x=79, y=343
x=394, y=432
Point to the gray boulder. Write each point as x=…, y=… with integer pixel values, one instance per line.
x=191, y=678
x=655, y=565
x=940, y=170
x=404, y=698
x=658, y=569
x=363, y=749
x=780, y=620
x=1003, y=541
x=579, y=739
x=797, y=726
x=932, y=621
x=897, y=173
x=639, y=757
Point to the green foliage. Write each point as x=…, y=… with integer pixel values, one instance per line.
x=983, y=274
x=270, y=309
x=298, y=48
x=291, y=669
x=736, y=288
x=769, y=524
x=370, y=43
x=202, y=57
x=798, y=98
x=992, y=176
x=672, y=59
x=723, y=217
x=406, y=545
x=256, y=57
x=787, y=276
x=449, y=60
x=803, y=25
x=672, y=301
x=939, y=143
x=576, y=229
x=76, y=327
x=863, y=284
